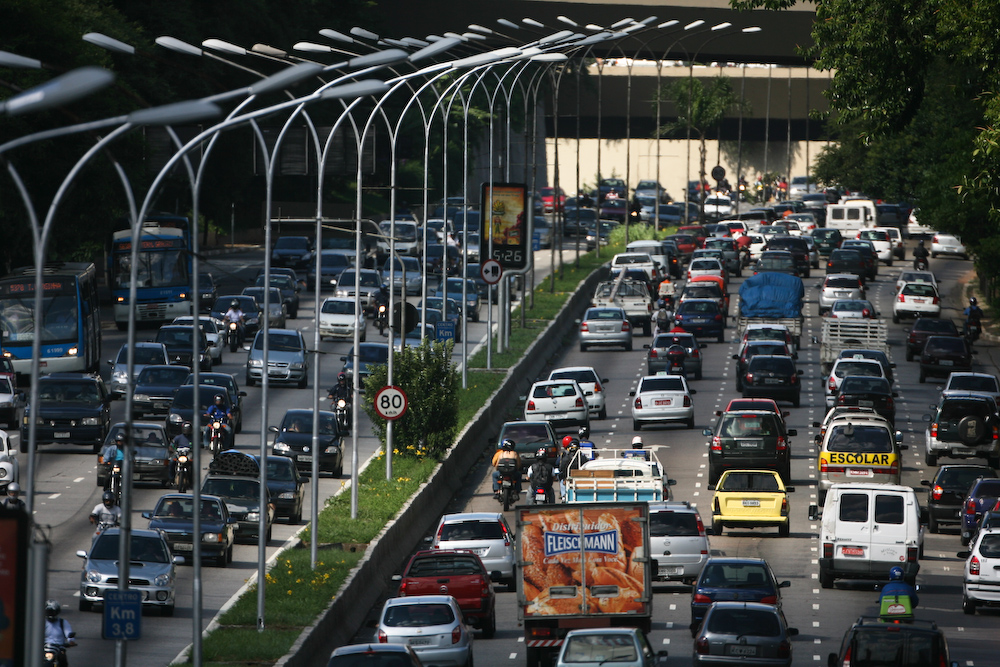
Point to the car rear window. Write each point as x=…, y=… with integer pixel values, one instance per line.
x=673, y=524
x=772, y=364
x=960, y=478
x=553, y=391
x=688, y=307
x=662, y=384
x=750, y=622
x=919, y=289
x=749, y=481
x=935, y=325
x=988, y=489
x=525, y=433
x=859, y=385
x=940, y=344
x=666, y=340
x=586, y=375
x=734, y=575
x=437, y=566
x=888, y=509
x=865, y=368
x=854, y=508
x=471, y=530
x=842, y=283
x=852, y=438
x=747, y=426
x=592, y=648
x=846, y=255
x=876, y=648
x=68, y=392
x=145, y=549
x=704, y=291
x=955, y=410
x=990, y=546
x=606, y=313
x=766, y=334
x=418, y=615
x=973, y=383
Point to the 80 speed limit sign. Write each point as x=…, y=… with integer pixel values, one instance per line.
x=390, y=402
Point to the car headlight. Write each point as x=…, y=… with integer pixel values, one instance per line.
x=93, y=576
x=3, y=473
x=91, y=421
x=140, y=397
x=175, y=418
x=253, y=516
x=255, y=363
x=213, y=538
x=119, y=376
x=162, y=580
x=287, y=495
x=332, y=449
x=6, y=404
x=280, y=447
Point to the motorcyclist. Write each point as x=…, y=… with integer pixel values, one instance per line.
x=541, y=475
x=663, y=317
x=107, y=511
x=973, y=316
x=341, y=390
x=506, y=451
x=58, y=632
x=13, y=500
x=234, y=314
x=114, y=454
x=567, y=462
x=219, y=412
x=181, y=440
x=920, y=254
x=901, y=593
x=676, y=354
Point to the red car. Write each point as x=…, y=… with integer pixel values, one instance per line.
x=685, y=243
x=458, y=573
x=550, y=202
x=697, y=231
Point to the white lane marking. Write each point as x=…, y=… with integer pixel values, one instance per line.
x=78, y=480
x=54, y=496
x=512, y=656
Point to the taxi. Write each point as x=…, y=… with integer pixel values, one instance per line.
x=859, y=447
x=751, y=499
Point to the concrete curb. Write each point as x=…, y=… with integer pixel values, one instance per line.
x=366, y=583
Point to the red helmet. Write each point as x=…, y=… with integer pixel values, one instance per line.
x=569, y=441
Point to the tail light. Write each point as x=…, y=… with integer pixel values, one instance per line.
x=970, y=507
x=597, y=388
x=901, y=298
x=382, y=637
x=934, y=430
x=974, y=565
x=718, y=317
x=840, y=399
x=701, y=532
x=638, y=403
x=847, y=657
x=584, y=327
x=937, y=492
x=866, y=313
x=769, y=599
x=996, y=435
x=626, y=326
x=782, y=444
x=832, y=384
x=700, y=598
x=934, y=240
x=784, y=507
x=716, y=444
x=718, y=507
x=748, y=377
x=911, y=554
x=579, y=402
x=456, y=634
x=794, y=379
x=935, y=300
x=402, y=589
x=484, y=592
x=531, y=405
x=696, y=353
x=701, y=646
x=889, y=403
x=784, y=649
x=829, y=265
x=828, y=550
x=687, y=401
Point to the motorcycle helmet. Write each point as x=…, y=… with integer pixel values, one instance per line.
x=52, y=609
x=108, y=499
x=507, y=445
x=186, y=428
x=13, y=488
x=921, y=244
x=896, y=573
x=973, y=301
x=341, y=378
x=637, y=442
x=219, y=399
x=540, y=454
x=584, y=432
x=234, y=304
x=120, y=439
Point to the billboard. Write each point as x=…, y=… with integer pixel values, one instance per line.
x=505, y=232
x=13, y=585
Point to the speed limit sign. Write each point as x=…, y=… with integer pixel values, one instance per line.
x=390, y=402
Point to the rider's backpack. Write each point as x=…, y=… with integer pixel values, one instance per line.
x=542, y=475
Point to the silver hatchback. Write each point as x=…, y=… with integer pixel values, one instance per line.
x=152, y=571
x=605, y=326
x=678, y=541
x=286, y=358
x=484, y=533
x=839, y=286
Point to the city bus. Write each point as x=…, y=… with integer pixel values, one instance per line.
x=163, y=289
x=70, y=323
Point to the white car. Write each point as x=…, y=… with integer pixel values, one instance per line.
x=718, y=206
x=948, y=244
x=806, y=222
x=9, y=466
x=432, y=625
x=591, y=384
x=896, y=239
x=338, y=318
x=964, y=382
x=880, y=241
x=981, y=583
x=662, y=398
x=915, y=277
x=561, y=403
x=757, y=244
x=766, y=331
x=844, y=367
x=853, y=309
x=813, y=250
x=705, y=266
x=914, y=228
x=213, y=330
x=916, y=300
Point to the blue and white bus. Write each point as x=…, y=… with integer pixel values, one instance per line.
x=163, y=291
x=70, y=322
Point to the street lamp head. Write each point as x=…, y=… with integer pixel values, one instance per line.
x=479, y=28
x=354, y=90
x=754, y=28
x=555, y=37
x=473, y=36
x=14, y=60
x=694, y=24
x=593, y=39
x=508, y=24
x=532, y=22
x=486, y=58
x=549, y=58
x=721, y=26
x=286, y=78
x=379, y=58
x=175, y=114
x=269, y=50
x=225, y=47
x=567, y=20
x=454, y=35
x=109, y=43
x=329, y=33
x=625, y=21
x=593, y=26
x=668, y=24
x=648, y=20
x=434, y=49
x=366, y=34
x=61, y=90
x=414, y=42
x=394, y=42
x=312, y=47
x=179, y=46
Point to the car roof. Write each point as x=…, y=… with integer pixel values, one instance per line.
x=472, y=516
x=420, y=599
x=351, y=649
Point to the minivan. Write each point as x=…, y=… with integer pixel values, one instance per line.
x=867, y=529
x=678, y=541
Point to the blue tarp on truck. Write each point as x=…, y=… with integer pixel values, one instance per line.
x=771, y=295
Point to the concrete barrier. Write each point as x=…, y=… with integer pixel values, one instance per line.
x=387, y=553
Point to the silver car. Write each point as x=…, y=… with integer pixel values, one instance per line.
x=839, y=286
x=146, y=354
x=621, y=647
x=484, y=533
x=744, y=633
x=605, y=326
x=432, y=625
x=286, y=359
x=678, y=541
x=277, y=311
x=152, y=571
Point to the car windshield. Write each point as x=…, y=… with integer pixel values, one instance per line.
x=749, y=481
x=279, y=342
x=734, y=575
x=175, y=337
x=330, y=260
x=68, y=392
x=418, y=615
x=942, y=345
x=599, y=649
x=184, y=397
x=368, y=279
x=604, y=314
x=232, y=488
x=673, y=524
x=525, y=434
x=301, y=422
x=661, y=384
x=142, y=548
x=144, y=355
x=744, y=622
x=852, y=438
x=338, y=307
x=282, y=471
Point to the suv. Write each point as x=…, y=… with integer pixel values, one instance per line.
x=458, y=573
x=73, y=408
x=796, y=246
x=963, y=426
x=749, y=439
x=873, y=642
x=292, y=251
x=925, y=327
x=859, y=447
x=679, y=543
x=656, y=359
x=982, y=572
x=947, y=490
x=944, y=354
x=772, y=376
x=485, y=533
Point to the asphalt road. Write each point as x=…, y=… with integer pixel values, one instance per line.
x=822, y=616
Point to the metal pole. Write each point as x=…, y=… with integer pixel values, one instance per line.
x=739, y=141
x=314, y=468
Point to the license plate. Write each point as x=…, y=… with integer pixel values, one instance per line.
x=773, y=381
x=62, y=434
x=738, y=649
x=920, y=301
x=183, y=546
x=866, y=404
x=665, y=570
x=418, y=641
x=751, y=502
x=946, y=362
x=305, y=458
x=662, y=401
x=161, y=406
x=749, y=444
x=852, y=551
x=860, y=472
x=843, y=294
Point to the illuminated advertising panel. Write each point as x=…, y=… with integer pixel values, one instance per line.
x=506, y=225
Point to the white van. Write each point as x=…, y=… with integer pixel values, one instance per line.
x=867, y=529
x=652, y=248
x=850, y=218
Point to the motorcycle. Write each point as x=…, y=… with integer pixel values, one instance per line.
x=973, y=328
x=675, y=360
x=182, y=475
x=342, y=411
x=919, y=263
x=509, y=478
x=54, y=655
x=233, y=336
x=102, y=526
x=382, y=318
x=538, y=495
x=114, y=483
x=217, y=435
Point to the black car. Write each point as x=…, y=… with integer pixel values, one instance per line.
x=842, y=260
x=867, y=252
x=235, y=477
x=868, y=392
x=252, y=312
x=208, y=291
x=435, y=251
x=228, y=382
x=73, y=408
x=286, y=487
x=943, y=355
x=289, y=290
x=173, y=516
x=777, y=261
x=182, y=410
x=179, y=341
x=795, y=245
x=923, y=328
x=827, y=240
x=749, y=439
x=293, y=439
x=295, y=252
x=871, y=641
x=656, y=358
x=528, y=438
x=946, y=492
x=981, y=497
x=772, y=376
x=752, y=349
x=369, y=354
x=152, y=455
x=702, y=317
x=737, y=579
x=331, y=264
x=155, y=387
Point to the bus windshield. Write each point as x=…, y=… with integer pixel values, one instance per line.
x=158, y=268
x=59, y=319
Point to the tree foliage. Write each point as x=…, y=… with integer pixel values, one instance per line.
x=431, y=382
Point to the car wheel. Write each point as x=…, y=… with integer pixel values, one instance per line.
x=603, y=414
x=628, y=346
x=647, y=329
x=697, y=376
x=932, y=524
x=267, y=537
x=690, y=422
x=930, y=459
x=994, y=461
x=297, y=517
x=249, y=381
x=822, y=498
x=785, y=529
x=895, y=318
x=294, y=314
x=909, y=354
x=636, y=426
x=922, y=378
x=968, y=606
x=583, y=348
x=717, y=527
x=490, y=626
x=339, y=472
x=933, y=255
x=167, y=610
x=825, y=579
x=966, y=540
x=86, y=605
x=304, y=382
x=533, y=657
x=797, y=401
x=721, y=338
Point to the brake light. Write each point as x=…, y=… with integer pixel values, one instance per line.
x=937, y=492
x=828, y=550
x=829, y=265
x=626, y=326
x=840, y=399
x=934, y=240
x=579, y=402
x=531, y=405
x=934, y=430
x=584, y=327
x=701, y=646
x=832, y=384
x=701, y=531
x=716, y=444
x=889, y=403
x=382, y=637
x=402, y=589
x=687, y=401
x=597, y=388
x=995, y=434
x=769, y=599
x=700, y=598
x=784, y=649
x=911, y=554
x=970, y=507
x=748, y=377
x=638, y=403
x=695, y=353
x=782, y=444
x=794, y=379
x=456, y=634
x=935, y=300
x=717, y=508
x=901, y=298
x=866, y=313
x=784, y=507
x=974, y=565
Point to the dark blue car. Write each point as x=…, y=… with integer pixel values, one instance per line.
x=981, y=497
x=737, y=579
x=702, y=317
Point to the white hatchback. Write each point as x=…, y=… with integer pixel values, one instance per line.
x=662, y=398
x=915, y=277
x=948, y=244
x=561, y=403
x=591, y=384
x=757, y=244
x=916, y=300
x=338, y=318
x=981, y=583
x=705, y=267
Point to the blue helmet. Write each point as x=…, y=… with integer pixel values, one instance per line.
x=896, y=573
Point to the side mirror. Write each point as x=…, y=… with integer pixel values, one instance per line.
x=792, y=431
x=960, y=554
x=631, y=393
x=899, y=436
x=707, y=432
x=892, y=365
x=81, y=553
x=111, y=363
x=147, y=515
x=702, y=346
x=736, y=356
x=792, y=632
x=831, y=660
x=692, y=391
x=242, y=394
x=799, y=372
x=645, y=347
x=671, y=482
x=604, y=380
x=397, y=577
x=813, y=512
x=177, y=560
x=784, y=584
x=975, y=352
x=272, y=429
x=718, y=413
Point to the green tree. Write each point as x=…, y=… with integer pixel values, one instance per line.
x=700, y=107
x=431, y=382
